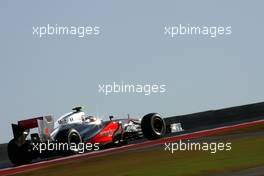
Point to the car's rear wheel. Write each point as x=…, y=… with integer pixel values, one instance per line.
x=153, y=126
x=72, y=138
x=19, y=155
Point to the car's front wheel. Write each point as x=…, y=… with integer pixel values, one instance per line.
x=153, y=126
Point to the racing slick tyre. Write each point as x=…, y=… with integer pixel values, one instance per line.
x=19, y=155
x=153, y=126
x=72, y=138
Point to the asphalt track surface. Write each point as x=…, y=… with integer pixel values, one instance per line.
x=144, y=144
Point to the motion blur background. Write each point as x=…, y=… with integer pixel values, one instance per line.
x=41, y=76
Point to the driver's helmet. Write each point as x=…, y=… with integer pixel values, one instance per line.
x=90, y=119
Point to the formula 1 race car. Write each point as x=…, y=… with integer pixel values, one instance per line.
x=75, y=128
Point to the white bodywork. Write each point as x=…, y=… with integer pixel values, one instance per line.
x=74, y=117
x=71, y=117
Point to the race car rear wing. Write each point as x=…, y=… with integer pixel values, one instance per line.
x=21, y=130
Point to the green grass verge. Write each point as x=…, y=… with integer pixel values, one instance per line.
x=247, y=151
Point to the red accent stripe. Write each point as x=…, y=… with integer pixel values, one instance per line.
x=27, y=167
x=29, y=123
